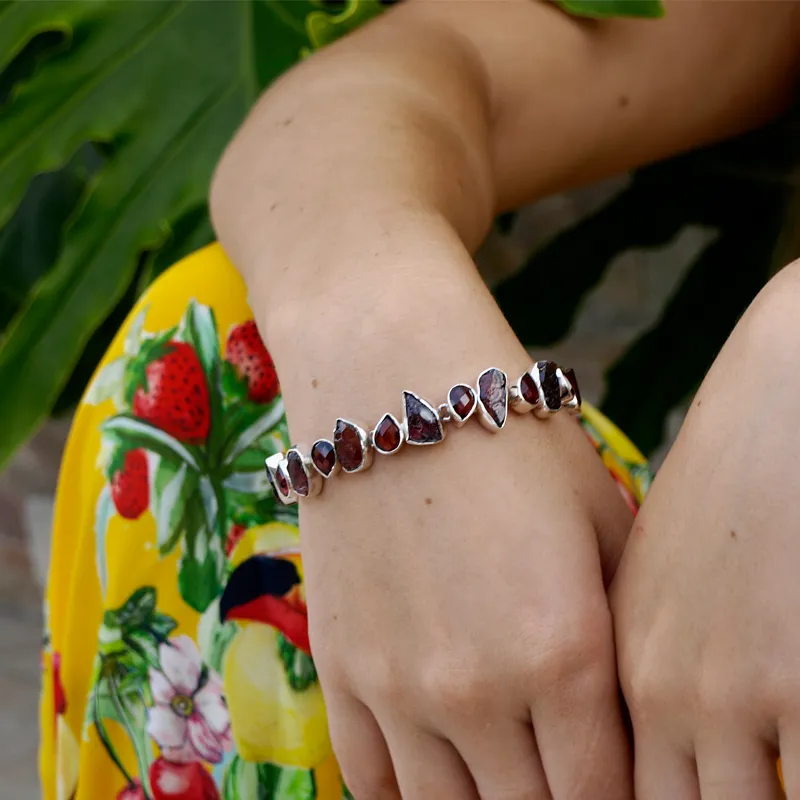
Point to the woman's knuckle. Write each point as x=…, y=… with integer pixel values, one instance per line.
x=455, y=686
x=579, y=652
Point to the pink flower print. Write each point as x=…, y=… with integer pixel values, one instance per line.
x=190, y=720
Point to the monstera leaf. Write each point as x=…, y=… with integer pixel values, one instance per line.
x=160, y=86
x=151, y=92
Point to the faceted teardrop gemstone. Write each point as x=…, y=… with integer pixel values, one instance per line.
x=528, y=389
x=462, y=401
x=551, y=389
x=388, y=436
x=282, y=481
x=423, y=425
x=348, y=439
x=493, y=397
x=297, y=473
x=323, y=456
x=569, y=374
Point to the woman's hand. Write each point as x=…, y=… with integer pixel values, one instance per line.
x=706, y=600
x=456, y=596
x=457, y=606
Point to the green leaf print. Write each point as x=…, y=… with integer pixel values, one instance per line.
x=300, y=670
x=199, y=329
x=214, y=636
x=242, y=780
x=248, y=781
x=135, y=433
x=174, y=487
x=199, y=579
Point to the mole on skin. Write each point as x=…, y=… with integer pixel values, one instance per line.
x=314, y=383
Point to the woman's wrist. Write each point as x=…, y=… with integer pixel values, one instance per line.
x=351, y=351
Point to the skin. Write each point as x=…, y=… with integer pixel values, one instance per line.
x=456, y=597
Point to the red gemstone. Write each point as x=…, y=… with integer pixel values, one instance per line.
x=422, y=421
x=388, y=436
x=494, y=395
x=297, y=473
x=462, y=400
x=550, y=385
x=349, y=449
x=282, y=482
x=324, y=456
x=569, y=374
x=528, y=390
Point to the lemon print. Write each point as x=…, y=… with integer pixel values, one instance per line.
x=271, y=721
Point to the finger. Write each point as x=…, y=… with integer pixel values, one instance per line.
x=663, y=771
x=580, y=731
x=428, y=766
x=733, y=765
x=360, y=749
x=504, y=761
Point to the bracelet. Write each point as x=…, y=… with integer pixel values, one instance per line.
x=544, y=389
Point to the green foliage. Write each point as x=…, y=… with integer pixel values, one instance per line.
x=600, y=9
x=161, y=86
x=112, y=116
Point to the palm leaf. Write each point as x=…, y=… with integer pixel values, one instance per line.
x=163, y=84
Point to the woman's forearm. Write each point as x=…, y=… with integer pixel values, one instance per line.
x=353, y=195
x=459, y=109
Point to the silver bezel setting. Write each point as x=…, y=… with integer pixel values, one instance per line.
x=434, y=409
x=277, y=465
x=516, y=399
x=455, y=417
x=400, y=427
x=366, y=449
x=486, y=419
x=569, y=399
x=315, y=481
x=271, y=466
x=337, y=467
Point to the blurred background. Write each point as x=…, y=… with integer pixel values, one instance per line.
x=111, y=118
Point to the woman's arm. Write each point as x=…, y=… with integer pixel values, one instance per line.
x=467, y=108
x=456, y=597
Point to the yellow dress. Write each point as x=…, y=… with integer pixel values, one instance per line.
x=157, y=683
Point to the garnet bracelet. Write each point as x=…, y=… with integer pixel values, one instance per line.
x=544, y=389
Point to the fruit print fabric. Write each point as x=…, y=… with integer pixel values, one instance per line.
x=177, y=662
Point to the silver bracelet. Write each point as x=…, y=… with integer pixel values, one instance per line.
x=544, y=389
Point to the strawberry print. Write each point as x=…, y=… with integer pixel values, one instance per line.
x=190, y=781
x=246, y=353
x=234, y=536
x=130, y=491
x=167, y=387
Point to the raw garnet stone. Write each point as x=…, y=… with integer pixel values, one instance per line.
x=422, y=420
x=283, y=484
x=347, y=441
x=494, y=395
x=550, y=387
x=528, y=390
x=297, y=473
x=569, y=374
x=387, y=435
x=462, y=400
x=324, y=456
